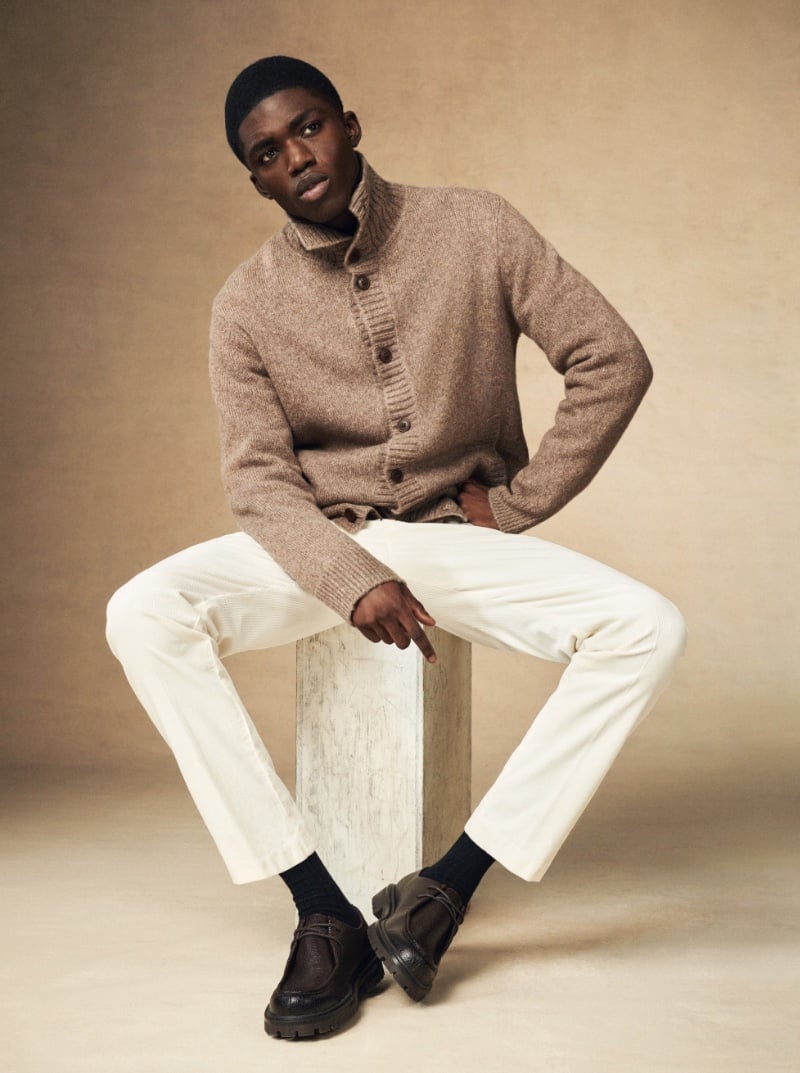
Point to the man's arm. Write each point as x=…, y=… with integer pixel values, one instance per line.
x=605, y=370
x=265, y=486
x=275, y=505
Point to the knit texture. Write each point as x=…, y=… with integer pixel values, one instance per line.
x=461, y=868
x=369, y=375
x=314, y=890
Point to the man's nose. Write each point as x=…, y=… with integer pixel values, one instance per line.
x=300, y=156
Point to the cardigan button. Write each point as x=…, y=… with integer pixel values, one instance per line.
x=403, y=425
x=395, y=476
x=385, y=355
x=362, y=283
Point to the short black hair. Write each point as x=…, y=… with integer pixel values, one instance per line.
x=265, y=77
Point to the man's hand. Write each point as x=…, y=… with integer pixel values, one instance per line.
x=390, y=613
x=473, y=498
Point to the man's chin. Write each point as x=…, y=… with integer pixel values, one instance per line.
x=322, y=218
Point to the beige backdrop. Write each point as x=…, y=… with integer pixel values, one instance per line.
x=652, y=143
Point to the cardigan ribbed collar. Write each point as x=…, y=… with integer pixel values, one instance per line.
x=375, y=204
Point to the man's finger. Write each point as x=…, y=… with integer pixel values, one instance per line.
x=417, y=609
x=421, y=639
x=423, y=615
x=384, y=633
x=418, y=615
x=423, y=643
x=398, y=632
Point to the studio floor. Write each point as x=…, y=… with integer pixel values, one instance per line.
x=664, y=938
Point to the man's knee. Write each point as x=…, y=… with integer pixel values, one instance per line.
x=658, y=624
x=143, y=614
x=672, y=634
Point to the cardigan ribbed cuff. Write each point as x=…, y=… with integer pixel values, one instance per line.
x=507, y=515
x=353, y=574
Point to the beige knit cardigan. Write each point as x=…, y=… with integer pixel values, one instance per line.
x=369, y=376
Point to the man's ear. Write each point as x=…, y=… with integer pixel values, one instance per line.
x=353, y=128
x=260, y=188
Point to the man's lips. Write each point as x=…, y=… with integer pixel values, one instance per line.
x=311, y=186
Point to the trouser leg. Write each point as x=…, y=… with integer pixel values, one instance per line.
x=619, y=639
x=173, y=624
x=170, y=627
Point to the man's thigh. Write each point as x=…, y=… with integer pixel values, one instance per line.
x=233, y=589
x=509, y=591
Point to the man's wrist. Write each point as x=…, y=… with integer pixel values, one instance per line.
x=508, y=516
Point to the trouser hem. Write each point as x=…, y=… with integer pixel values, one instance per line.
x=251, y=871
x=506, y=854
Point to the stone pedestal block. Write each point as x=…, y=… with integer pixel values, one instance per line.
x=383, y=754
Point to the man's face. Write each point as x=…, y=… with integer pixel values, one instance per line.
x=301, y=153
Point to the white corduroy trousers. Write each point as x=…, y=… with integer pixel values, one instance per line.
x=173, y=625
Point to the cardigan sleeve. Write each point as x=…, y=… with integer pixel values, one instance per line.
x=265, y=486
x=606, y=372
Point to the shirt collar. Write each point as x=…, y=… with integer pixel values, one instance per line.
x=375, y=204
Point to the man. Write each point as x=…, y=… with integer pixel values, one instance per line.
x=362, y=363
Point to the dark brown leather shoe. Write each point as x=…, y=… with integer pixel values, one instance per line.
x=417, y=920
x=331, y=967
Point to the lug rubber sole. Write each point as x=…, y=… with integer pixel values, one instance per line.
x=364, y=985
x=383, y=904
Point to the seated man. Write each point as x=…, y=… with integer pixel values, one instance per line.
x=363, y=366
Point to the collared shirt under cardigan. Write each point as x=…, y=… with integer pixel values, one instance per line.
x=369, y=375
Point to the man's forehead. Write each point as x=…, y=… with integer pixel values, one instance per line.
x=280, y=111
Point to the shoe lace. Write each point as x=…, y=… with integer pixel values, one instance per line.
x=441, y=896
x=318, y=930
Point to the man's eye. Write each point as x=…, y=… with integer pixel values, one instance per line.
x=312, y=128
x=267, y=156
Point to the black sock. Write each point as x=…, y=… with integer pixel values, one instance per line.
x=462, y=867
x=315, y=891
